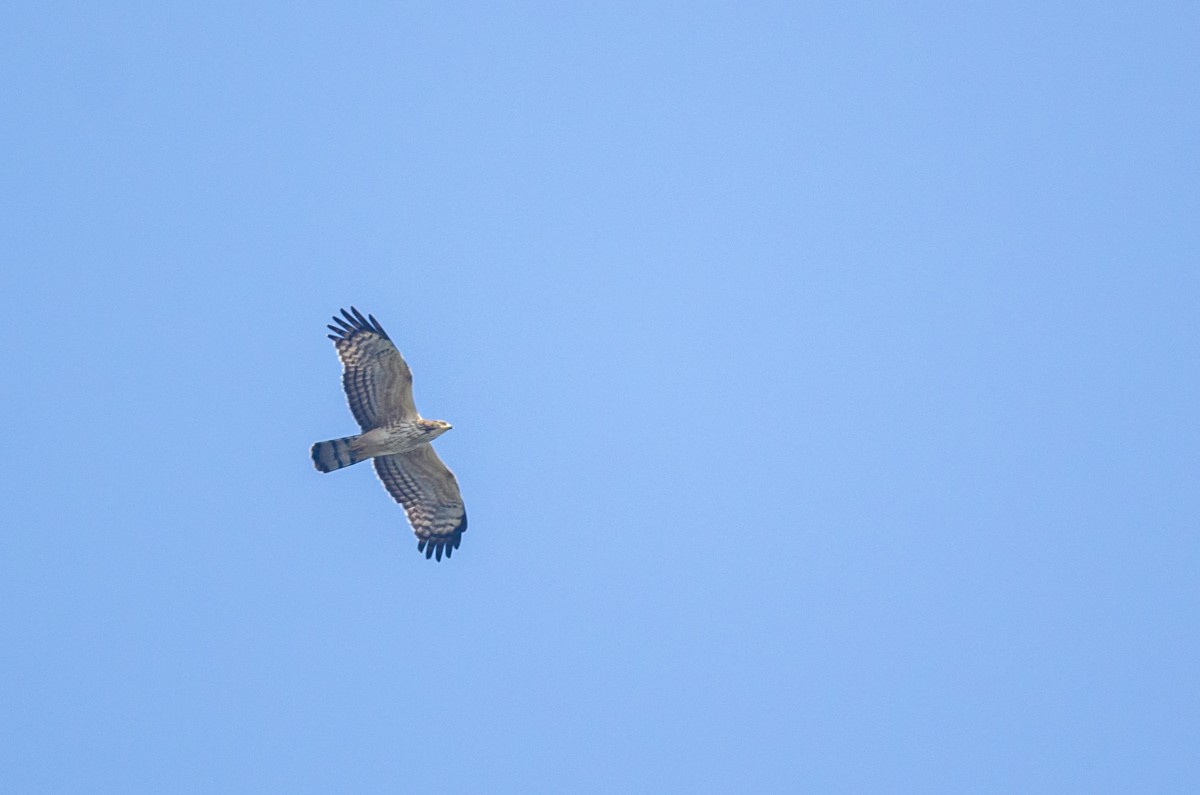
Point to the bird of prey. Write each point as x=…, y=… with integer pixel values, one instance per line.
x=378, y=386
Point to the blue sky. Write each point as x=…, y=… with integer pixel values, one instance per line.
x=823, y=381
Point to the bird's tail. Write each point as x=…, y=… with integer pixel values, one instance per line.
x=337, y=453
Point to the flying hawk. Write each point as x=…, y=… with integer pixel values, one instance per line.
x=378, y=386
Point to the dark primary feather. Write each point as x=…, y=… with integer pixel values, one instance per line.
x=355, y=323
x=433, y=547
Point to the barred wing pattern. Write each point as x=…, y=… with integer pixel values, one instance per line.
x=428, y=490
x=377, y=380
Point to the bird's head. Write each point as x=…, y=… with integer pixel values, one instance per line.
x=435, y=428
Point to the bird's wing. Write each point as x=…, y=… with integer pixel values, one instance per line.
x=377, y=380
x=427, y=489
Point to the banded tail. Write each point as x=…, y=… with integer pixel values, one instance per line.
x=337, y=453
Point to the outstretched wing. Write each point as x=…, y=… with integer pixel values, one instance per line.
x=377, y=380
x=420, y=482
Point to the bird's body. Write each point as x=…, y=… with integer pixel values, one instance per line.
x=394, y=438
x=378, y=386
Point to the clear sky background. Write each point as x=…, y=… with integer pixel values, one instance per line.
x=823, y=379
